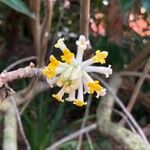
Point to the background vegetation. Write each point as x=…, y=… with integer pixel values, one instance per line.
x=121, y=27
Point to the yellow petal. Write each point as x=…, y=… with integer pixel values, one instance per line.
x=58, y=97
x=94, y=86
x=49, y=73
x=100, y=57
x=67, y=56
x=79, y=102
x=54, y=61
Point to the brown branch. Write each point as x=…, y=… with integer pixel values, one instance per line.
x=137, y=88
x=138, y=59
x=58, y=143
x=29, y=71
x=35, y=24
x=84, y=17
x=84, y=121
x=45, y=29
x=142, y=98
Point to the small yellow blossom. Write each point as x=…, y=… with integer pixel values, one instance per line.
x=100, y=56
x=58, y=97
x=53, y=62
x=49, y=72
x=94, y=86
x=68, y=56
x=79, y=102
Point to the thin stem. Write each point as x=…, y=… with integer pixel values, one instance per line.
x=89, y=141
x=18, y=62
x=84, y=17
x=137, y=88
x=20, y=123
x=58, y=143
x=84, y=121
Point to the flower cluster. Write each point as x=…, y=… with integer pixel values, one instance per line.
x=72, y=74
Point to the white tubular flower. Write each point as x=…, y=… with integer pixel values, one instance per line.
x=52, y=81
x=82, y=44
x=103, y=70
x=72, y=74
x=71, y=96
x=60, y=44
x=79, y=101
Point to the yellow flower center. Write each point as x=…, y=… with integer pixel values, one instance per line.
x=58, y=97
x=49, y=72
x=79, y=102
x=94, y=86
x=68, y=56
x=100, y=57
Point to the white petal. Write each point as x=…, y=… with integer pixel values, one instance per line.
x=52, y=81
x=80, y=91
x=71, y=96
x=103, y=93
x=87, y=77
x=103, y=70
x=87, y=63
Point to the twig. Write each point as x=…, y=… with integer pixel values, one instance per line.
x=89, y=141
x=29, y=71
x=138, y=59
x=45, y=29
x=71, y=136
x=84, y=121
x=57, y=27
x=119, y=102
x=133, y=73
x=137, y=88
x=20, y=123
x=35, y=24
x=126, y=119
x=19, y=62
x=84, y=17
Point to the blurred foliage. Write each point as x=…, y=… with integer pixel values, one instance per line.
x=42, y=123
x=19, y=6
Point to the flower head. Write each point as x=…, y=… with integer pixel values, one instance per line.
x=72, y=75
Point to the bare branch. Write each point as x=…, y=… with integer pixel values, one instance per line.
x=84, y=17
x=19, y=122
x=29, y=71
x=84, y=121
x=45, y=29
x=134, y=74
x=138, y=87
x=35, y=24
x=72, y=136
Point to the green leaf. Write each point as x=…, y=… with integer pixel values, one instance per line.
x=19, y=6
